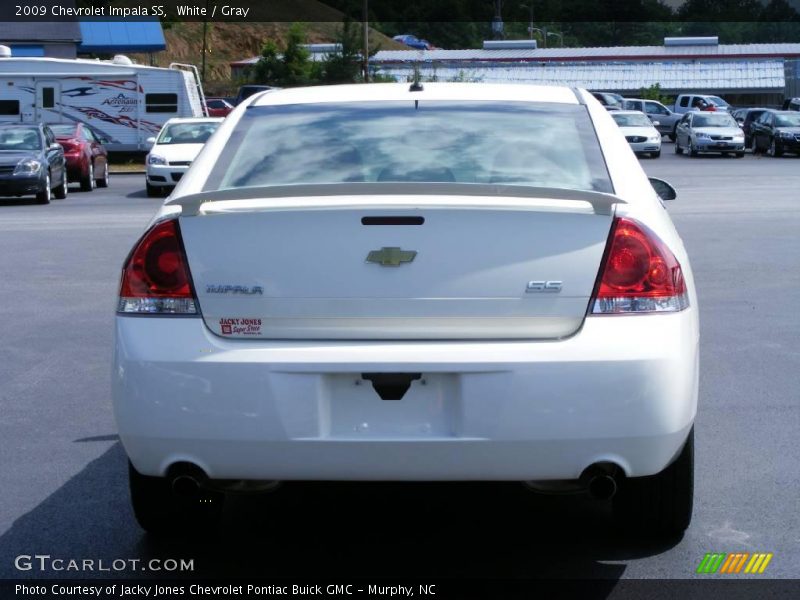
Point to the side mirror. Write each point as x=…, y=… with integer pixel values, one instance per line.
x=150, y=140
x=664, y=190
x=656, y=123
x=54, y=146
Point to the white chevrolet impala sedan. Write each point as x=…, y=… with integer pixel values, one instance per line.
x=410, y=282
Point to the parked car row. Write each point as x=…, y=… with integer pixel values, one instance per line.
x=42, y=160
x=774, y=132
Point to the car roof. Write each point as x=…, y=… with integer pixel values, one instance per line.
x=629, y=112
x=431, y=91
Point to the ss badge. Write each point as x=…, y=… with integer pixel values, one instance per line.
x=534, y=287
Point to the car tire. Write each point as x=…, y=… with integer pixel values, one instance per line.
x=60, y=192
x=103, y=181
x=153, y=191
x=774, y=150
x=87, y=181
x=660, y=504
x=160, y=511
x=43, y=197
x=656, y=154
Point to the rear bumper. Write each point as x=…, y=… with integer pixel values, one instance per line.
x=77, y=166
x=624, y=389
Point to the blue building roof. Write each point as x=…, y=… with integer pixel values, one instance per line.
x=121, y=36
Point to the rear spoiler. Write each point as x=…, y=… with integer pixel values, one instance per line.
x=602, y=203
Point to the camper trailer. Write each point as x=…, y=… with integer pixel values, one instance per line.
x=124, y=102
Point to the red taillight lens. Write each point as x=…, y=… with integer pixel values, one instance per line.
x=70, y=145
x=640, y=274
x=156, y=278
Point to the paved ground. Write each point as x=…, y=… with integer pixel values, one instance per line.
x=63, y=470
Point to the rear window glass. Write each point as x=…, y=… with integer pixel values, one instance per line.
x=63, y=130
x=518, y=143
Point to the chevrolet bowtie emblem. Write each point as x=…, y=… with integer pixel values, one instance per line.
x=390, y=257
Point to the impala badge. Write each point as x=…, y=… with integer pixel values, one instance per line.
x=390, y=257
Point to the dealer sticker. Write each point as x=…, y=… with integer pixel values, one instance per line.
x=240, y=326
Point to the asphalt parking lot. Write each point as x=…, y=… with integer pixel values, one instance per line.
x=63, y=470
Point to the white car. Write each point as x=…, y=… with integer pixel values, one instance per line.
x=382, y=282
x=639, y=131
x=173, y=150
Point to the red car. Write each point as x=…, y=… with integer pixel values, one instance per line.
x=87, y=159
x=218, y=107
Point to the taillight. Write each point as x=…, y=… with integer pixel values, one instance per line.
x=155, y=278
x=640, y=274
x=70, y=145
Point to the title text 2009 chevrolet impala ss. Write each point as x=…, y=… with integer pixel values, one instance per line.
x=382, y=282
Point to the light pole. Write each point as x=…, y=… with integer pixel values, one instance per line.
x=530, y=23
x=559, y=35
x=541, y=32
x=365, y=38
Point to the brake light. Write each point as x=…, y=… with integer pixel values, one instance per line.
x=156, y=278
x=639, y=274
x=70, y=145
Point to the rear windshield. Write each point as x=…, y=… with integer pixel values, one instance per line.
x=717, y=100
x=63, y=130
x=519, y=143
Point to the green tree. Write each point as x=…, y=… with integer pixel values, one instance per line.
x=343, y=66
x=290, y=68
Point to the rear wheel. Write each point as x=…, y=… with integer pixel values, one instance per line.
x=103, y=181
x=87, y=180
x=160, y=511
x=61, y=191
x=660, y=504
x=152, y=190
x=43, y=197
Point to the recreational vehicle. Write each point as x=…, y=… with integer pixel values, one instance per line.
x=124, y=102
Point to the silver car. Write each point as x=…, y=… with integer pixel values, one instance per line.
x=701, y=131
